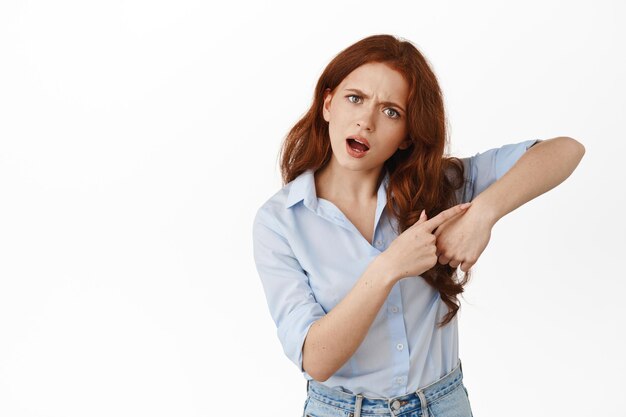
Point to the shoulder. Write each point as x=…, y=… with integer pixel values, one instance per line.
x=274, y=207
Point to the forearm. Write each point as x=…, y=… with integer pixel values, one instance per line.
x=539, y=169
x=334, y=338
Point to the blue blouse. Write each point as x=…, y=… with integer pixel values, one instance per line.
x=309, y=256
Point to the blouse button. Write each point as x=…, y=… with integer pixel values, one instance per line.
x=400, y=346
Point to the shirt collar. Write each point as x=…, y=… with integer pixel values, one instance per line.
x=303, y=188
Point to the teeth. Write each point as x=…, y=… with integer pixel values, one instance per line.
x=359, y=142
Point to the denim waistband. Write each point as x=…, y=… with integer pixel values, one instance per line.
x=357, y=404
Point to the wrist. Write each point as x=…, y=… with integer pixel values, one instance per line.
x=384, y=269
x=486, y=211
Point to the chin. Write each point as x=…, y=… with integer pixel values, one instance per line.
x=352, y=165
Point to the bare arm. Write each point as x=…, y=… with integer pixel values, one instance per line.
x=539, y=169
x=334, y=338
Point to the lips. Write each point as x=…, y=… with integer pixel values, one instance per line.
x=359, y=139
x=355, y=149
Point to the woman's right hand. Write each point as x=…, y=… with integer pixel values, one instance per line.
x=414, y=251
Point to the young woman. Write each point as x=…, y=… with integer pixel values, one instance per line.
x=358, y=251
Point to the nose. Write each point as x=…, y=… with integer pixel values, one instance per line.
x=366, y=120
x=361, y=125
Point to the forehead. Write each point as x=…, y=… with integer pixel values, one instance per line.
x=378, y=79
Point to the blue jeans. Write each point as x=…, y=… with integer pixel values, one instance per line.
x=446, y=397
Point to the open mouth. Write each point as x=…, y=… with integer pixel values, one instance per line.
x=356, y=145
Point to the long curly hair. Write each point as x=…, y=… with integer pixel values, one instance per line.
x=420, y=177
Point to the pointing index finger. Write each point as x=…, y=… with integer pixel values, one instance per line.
x=436, y=221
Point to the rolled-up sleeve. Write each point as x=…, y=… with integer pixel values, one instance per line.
x=485, y=168
x=289, y=296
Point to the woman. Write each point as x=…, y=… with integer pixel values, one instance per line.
x=358, y=251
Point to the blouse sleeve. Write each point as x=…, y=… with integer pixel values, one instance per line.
x=289, y=296
x=483, y=169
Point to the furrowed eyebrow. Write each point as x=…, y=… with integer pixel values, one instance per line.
x=389, y=103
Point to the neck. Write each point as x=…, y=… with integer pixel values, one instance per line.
x=335, y=183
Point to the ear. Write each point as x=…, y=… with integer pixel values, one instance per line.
x=405, y=144
x=326, y=105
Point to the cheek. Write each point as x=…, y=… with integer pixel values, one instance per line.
x=396, y=131
x=340, y=114
x=335, y=134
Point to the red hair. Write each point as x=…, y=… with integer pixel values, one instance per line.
x=420, y=177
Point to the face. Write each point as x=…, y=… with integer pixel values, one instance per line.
x=369, y=103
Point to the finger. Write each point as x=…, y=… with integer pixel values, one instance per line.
x=423, y=217
x=445, y=224
x=443, y=260
x=444, y=215
x=454, y=264
x=465, y=266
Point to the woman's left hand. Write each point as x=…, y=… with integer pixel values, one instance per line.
x=462, y=239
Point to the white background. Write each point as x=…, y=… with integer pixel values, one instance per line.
x=138, y=139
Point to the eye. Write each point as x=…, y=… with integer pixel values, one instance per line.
x=352, y=95
x=397, y=115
